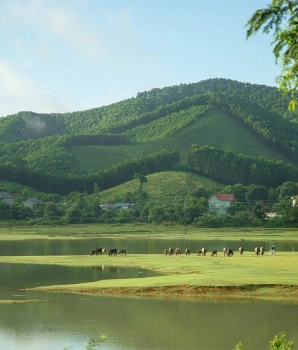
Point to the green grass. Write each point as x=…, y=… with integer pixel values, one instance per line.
x=215, y=128
x=269, y=277
x=252, y=275
x=144, y=231
x=161, y=187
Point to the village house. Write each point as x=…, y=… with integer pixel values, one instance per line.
x=117, y=206
x=31, y=202
x=219, y=203
x=6, y=197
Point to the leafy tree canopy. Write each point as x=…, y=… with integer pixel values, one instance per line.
x=281, y=17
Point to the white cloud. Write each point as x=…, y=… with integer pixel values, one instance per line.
x=19, y=93
x=50, y=19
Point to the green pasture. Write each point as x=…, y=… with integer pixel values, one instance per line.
x=193, y=270
x=160, y=187
x=144, y=231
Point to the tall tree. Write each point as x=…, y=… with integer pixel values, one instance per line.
x=141, y=178
x=281, y=17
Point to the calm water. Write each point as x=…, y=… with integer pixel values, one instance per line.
x=128, y=323
x=133, y=246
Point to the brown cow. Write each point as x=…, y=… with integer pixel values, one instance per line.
x=178, y=251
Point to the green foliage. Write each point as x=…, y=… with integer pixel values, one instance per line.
x=93, y=343
x=281, y=18
x=239, y=346
x=231, y=168
x=279, y=342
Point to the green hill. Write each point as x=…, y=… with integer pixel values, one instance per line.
x=214, y=128
x=161, y=187
x=71, y=151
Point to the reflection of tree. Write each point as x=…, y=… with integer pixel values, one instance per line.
x=112, y=269
x=96, y=268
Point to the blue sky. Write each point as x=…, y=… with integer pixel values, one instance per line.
x=70, y=55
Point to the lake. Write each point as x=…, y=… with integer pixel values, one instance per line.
x=128, y=323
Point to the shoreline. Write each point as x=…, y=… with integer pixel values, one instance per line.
x=271, y=293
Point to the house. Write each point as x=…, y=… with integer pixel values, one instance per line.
x=219, y=203
x=6, y=197
x=31, y=202
x=117, y=206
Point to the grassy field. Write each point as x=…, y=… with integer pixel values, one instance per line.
x=145, y=231
x=160, y=186
x=238, y=276
x=247, y=276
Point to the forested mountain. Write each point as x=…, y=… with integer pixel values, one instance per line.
x=247, y=125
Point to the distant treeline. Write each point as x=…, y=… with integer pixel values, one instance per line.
x=231, y=168
x=105, y=179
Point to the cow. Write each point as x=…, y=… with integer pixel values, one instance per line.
x=166, y=252
x=230, y=252
x=122, y=252
x=262, y=250
x=225, y=251
x=178, y=251
x=257, y=250
x=202, y=251
x=99, y=250
x=214, y=253
x=241, y=250
x=112, y=251
x=171, y=251
x=94, y=252
x=187, y=251
x=104, y=251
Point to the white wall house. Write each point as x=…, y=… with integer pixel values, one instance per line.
x=31, y=201
x=219, y=203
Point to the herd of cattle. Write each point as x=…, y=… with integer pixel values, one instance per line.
x=226, y=251
x=111, y=252
x=171, y=251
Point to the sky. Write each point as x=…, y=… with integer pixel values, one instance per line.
x=60, y=56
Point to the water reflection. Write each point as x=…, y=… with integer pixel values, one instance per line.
x=144, y=323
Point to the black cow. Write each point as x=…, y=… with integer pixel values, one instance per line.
x=257, y=250
x=187, y=251
x=225, y=251
x=99, y=250
x=230, y=252
x=214, y=253
x=94, y=252
x=112, y=251
x=262, y=250
x=241, y=250
x=171, y=251
x=122, y=252
x=166, y=252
